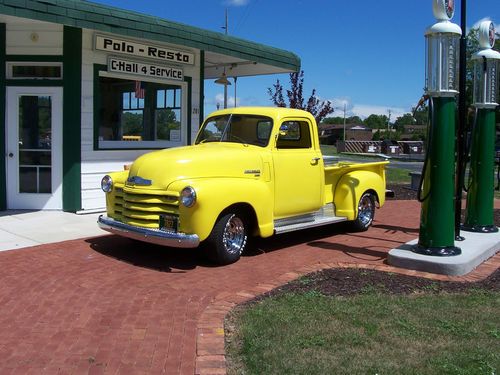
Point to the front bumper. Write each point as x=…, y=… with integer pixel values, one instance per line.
x=154, y=236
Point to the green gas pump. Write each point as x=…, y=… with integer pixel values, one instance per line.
x=480, y=195
x=437, y=192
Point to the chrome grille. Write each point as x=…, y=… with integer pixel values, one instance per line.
x=142, y=208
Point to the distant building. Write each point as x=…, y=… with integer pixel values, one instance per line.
x=409, y=131
x=329, y=134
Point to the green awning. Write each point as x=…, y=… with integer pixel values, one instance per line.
x=88, y=15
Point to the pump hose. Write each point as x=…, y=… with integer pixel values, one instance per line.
x=428, y=148
x=467, y=152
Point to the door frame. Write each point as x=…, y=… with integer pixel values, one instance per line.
x=15, y=200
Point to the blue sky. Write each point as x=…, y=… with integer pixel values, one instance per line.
x=369, y=54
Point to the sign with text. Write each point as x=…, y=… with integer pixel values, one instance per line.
x=109, y=44
x=148, y=70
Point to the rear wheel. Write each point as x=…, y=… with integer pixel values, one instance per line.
x=228, y=239
x=366, y=213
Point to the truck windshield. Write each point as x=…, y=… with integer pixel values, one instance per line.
x=244, y=129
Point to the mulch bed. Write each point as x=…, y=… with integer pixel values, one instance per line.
x=348, y=282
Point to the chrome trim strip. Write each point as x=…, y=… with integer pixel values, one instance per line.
x=154, y=236
x=324, y=216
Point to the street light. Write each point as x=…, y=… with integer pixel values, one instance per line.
x=344, y=108
x=222, y=80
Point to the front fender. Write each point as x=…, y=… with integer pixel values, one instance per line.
x=351, y=187
x=119, y=179
x=214, y=195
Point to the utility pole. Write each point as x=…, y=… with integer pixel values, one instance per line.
x=344, y=118
x=225, y=86
x=389, y=121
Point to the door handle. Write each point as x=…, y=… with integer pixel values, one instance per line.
x=11, y=155
x=315, y=160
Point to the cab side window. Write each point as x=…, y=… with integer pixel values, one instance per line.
x=294, y=134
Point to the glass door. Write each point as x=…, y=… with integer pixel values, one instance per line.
x=34, y=148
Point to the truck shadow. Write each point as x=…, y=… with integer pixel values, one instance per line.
x=396, y=228
x=326, y=238
x=174, y=260
x=281, y=241
x=359, y=253
x=153, y=257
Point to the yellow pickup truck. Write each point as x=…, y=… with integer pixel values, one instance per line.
x=252, y=171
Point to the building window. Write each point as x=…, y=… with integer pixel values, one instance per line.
x=34, y=70
x=168, y=114
x=134, y=114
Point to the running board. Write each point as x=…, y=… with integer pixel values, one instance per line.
x=323, y=216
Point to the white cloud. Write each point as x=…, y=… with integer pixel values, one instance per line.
x=339, y=103
x=365, y=110
x=219, y=99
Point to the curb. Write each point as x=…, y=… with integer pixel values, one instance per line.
x=210, y=341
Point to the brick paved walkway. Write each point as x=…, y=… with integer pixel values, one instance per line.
x=108, y=305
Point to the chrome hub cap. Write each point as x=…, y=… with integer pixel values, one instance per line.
x=234, y=237
x=365, y=210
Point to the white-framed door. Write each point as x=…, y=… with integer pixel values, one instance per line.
x=34, y=148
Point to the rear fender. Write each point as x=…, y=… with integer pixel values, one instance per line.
x=351, y=186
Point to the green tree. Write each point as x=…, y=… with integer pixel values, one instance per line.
x=339, y=120
x=333, y=120
x=318, y=108
x=132, y=122
x=354, y=120
x=376, y=121
x=421, y=115
x=401, y=121
x=166, y=120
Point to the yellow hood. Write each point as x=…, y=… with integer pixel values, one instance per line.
x=158, y=169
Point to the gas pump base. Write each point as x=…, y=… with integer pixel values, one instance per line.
x=448, y=251
x=479, y=228
x=476, y=248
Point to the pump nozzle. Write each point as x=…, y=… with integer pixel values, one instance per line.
x=422, y=100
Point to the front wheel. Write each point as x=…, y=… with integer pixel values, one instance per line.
x=366, y=213
x=228, y=239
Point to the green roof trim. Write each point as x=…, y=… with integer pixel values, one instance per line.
x=85, y=14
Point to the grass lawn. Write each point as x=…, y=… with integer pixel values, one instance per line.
x=369, y=333
x=397, y=176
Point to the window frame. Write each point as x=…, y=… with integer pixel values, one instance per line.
x=289, y=143
x=11, y=64
x=103, y=145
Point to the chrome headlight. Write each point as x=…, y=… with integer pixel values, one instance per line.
x=188, y=196
x=106, y=184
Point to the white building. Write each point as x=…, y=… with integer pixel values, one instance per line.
x=87, y=88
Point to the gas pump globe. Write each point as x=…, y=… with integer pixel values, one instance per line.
x=442, y=52
x=486, y=66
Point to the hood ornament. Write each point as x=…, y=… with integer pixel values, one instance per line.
x=136, y=180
